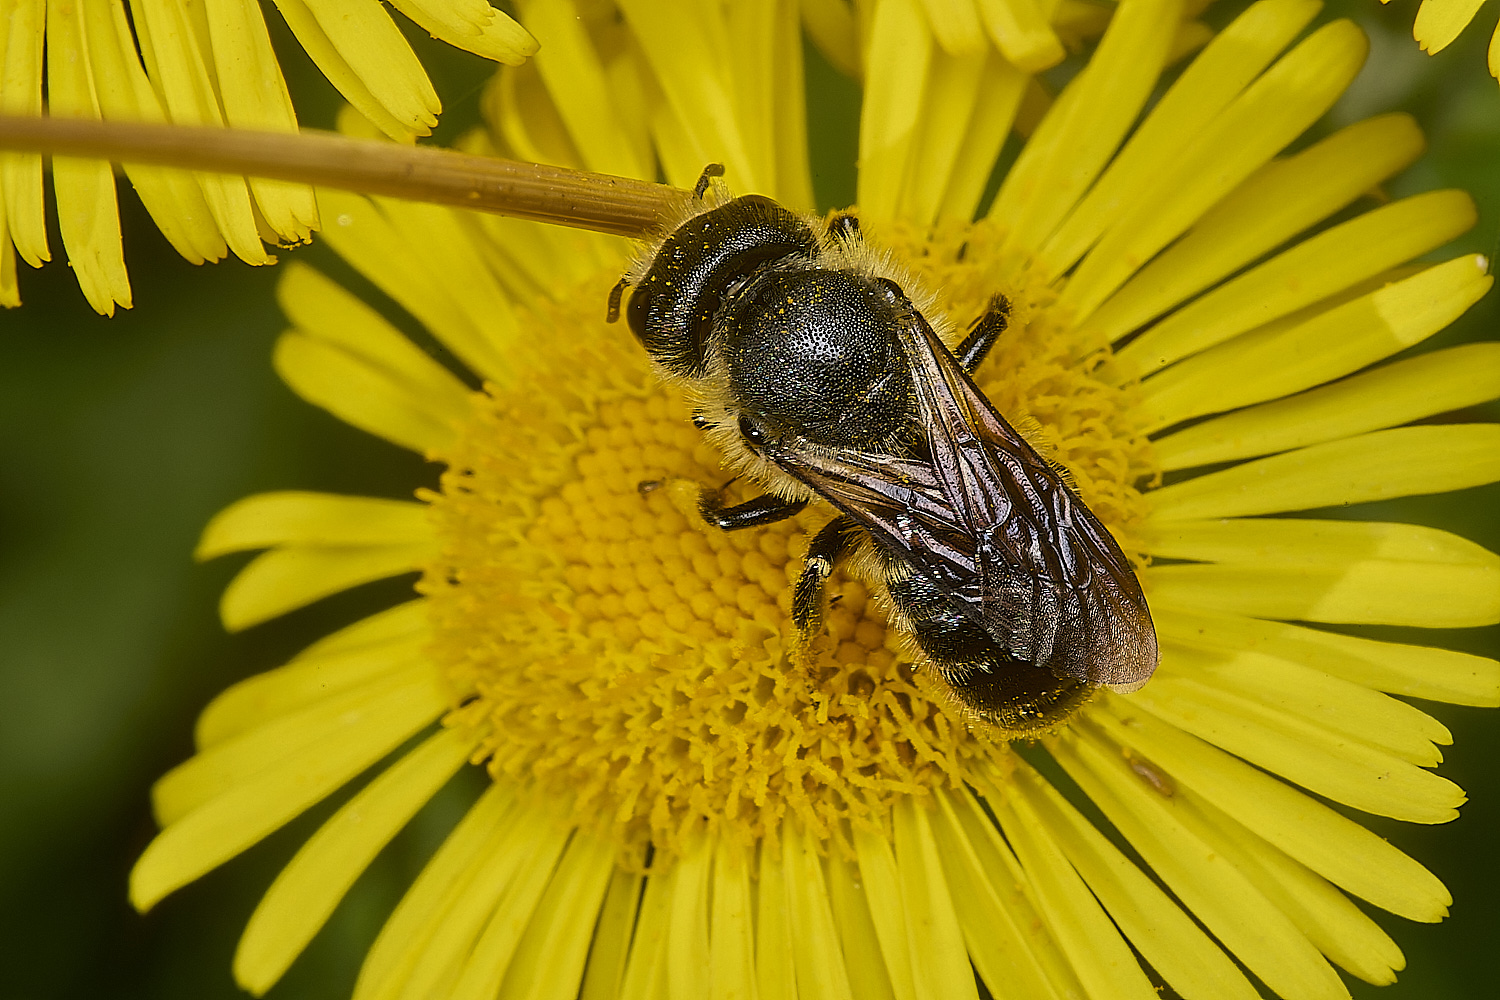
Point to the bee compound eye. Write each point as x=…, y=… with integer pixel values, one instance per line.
x=752, y=432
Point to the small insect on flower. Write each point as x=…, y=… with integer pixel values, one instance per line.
x=814, y=367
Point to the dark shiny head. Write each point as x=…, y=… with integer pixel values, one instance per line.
x=814, y=352
x=672, y=309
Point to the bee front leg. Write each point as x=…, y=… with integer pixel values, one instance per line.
x=828, y=546
x=764, y=509
x=983, y=334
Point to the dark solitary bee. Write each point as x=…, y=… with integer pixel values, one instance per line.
x=817, y=375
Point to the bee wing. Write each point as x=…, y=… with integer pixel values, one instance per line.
x=988, y=521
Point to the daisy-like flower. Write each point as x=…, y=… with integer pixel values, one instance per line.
x=1200, y=335
x=1440, y=21
x=201, y=64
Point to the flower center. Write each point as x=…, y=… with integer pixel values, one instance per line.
x=632, y=661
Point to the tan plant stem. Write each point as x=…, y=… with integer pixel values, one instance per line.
x=564, y=197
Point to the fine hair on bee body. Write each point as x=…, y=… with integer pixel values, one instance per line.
x=823, y=370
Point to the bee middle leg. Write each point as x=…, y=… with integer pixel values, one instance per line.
x=764, y=509
x=986, y=330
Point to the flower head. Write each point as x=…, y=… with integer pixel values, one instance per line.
x=167, y=61
x=678, y=808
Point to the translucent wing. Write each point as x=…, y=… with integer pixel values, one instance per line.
x=989, y=522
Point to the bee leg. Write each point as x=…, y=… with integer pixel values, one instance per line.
x=823, y=553
x=709, y=173
x=845, y=226
x=764, y=509
x=984, y=333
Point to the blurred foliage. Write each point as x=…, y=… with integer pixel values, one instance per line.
x=120, y=438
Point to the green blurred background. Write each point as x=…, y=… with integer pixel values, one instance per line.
x=119, y=438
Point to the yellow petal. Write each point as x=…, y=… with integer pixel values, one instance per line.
x=1165, y=936
x=1167, y=834
x=1439, y=22
x=1405, y=461
x=228, y=824
x=1275, y=203
x=310, y=677
x=789, y=108
x=899, y=58
x=285, y=579
x=687, y=921
x=23, y=30
x=645, y=971
x=1398, y=393
x=998, y=101
x=1230, y=62
x=940, y=965
x=952, y=94
x=302, y=518
x=830, y=25
x=10, y=289
x=864, y=958
x=550, y=958
x=1087, y=124
x=1317, y=759
x=1329, y=571
x=1103, y=962
x=1416, y=671
x=1339, y=849
x=955, y=25
x=1256, y=125
x=882, y=885
x=304, y=895
x=368, y=40
x=816, y=953
x=474, y=26
x=731, y=939
x=1021, y=31
x=611, y=944
x=405, y=935
x=1288, y=357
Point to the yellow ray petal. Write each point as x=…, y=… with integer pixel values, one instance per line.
x=816, y=953
x=731, y=939
x=10, y=290
x=485, y=968
x=551, y=955
x=898, y=61
x=1006, y=938
x=1230, y=62
x=1439, y=22
x=775, y=972
x=1259, y=123
x=1103, y=962
x=1315, y=758
x=368, y=40
x=1021, y=31
x=1405, y=461
x=1275, y=203
x=405, y=935
x=423, y=258
x=1165, y=936
x=1333, y=924
x=1328, y=571
x=645, y=970
x=688, y=922
x=469, y=926
x=611, y=944
x=955, y=25
x=308, y=678
x=228, y=824
x=999, y=99
x=789, y=108
x=864, y=958
x=948, y=105
x=1325, y=346
x=218, y=770
x=87, y=214
x=1166, y=834
x=882, y=885
x=302, y=518
x=1315, y=269
x=23, y=31
x=1416, y=671
x=940, y=965
x=474, y=26
x=1339, y=849
x=391, y=625
x=285, y=579
x=1374, y=719
x=1397, y=393
x=304, y=895
x=830, y=25
x=1086, y=126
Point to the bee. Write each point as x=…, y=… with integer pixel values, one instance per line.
x=819, y=376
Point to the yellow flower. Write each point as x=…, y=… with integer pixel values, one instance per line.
x=201, y=64
x=672, y=810
x=1439, y=22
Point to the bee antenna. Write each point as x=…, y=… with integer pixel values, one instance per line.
x=709, y=172
x=614, y=300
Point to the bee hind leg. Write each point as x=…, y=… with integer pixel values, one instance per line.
x=983, y=335
x=828, y=546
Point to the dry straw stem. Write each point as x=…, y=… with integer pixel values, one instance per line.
x=558, y=195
